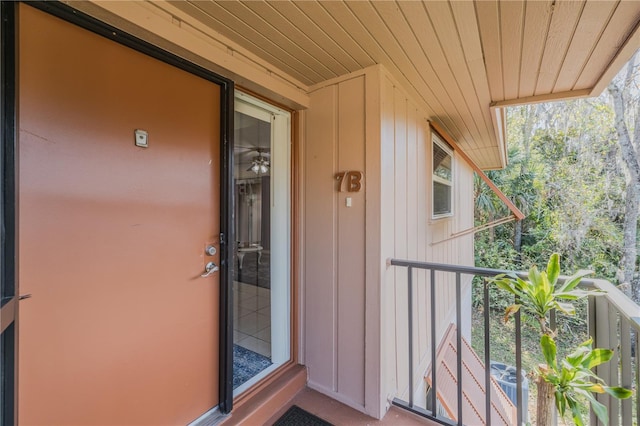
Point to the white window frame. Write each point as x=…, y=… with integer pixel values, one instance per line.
x=437, y=141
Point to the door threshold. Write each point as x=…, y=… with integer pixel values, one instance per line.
x=212, y=417
x=258, y=407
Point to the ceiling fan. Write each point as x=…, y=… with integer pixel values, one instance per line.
x=260, y=163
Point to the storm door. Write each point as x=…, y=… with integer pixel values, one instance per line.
x=8, y=283
x=261, y=288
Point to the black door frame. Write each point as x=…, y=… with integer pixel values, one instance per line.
x=9, y=286
x=8, y=215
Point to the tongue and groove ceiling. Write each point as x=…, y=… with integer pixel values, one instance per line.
x=462, y=60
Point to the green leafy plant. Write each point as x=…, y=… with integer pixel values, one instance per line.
x=573, y=376
x=542, y=292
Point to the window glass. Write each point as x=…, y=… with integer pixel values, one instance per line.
x=442, y=178
x=441, y=163
x=441, y=199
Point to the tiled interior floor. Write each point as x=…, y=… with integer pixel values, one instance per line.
x=252, y=317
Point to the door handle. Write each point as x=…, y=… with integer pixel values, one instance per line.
x=209, y=269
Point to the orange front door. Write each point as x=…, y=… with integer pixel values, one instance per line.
x=121, y=329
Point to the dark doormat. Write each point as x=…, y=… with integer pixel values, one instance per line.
x=296, y=416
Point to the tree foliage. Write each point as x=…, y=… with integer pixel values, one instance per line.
x=570, y=173
x=566, y=174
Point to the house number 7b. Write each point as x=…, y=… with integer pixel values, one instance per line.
x=349, y=181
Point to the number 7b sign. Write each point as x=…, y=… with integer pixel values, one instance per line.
x=349, y=181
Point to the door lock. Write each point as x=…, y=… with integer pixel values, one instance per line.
x=210, y=250
x=209, y=269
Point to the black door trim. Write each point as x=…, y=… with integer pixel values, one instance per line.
x=9, y=176
x=8, y=215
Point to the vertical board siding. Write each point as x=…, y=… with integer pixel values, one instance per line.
x=336, y=293
x=351, y=237
x=387, y=236
x=375, y=401
x=408, y=228
x=319, y=268
x=400, y=228
x=463, y=251
x=412, y=210
x=424, y=323
x=335, y=242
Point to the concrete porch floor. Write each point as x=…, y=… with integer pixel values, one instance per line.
x=339, y=414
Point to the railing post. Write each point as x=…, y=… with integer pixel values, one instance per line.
x=613, y=404
x=601, y=340
x=591, y=327
x=520, y=402
x=637, y=341
x=487, y=352
x=459, y=343
x=626, y=373
x=434, y=398
x=410, y=331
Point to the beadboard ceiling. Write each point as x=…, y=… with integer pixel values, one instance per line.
x=462, y=60
x=458, y=57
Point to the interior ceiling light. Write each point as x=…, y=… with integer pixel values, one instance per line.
x=259, y=165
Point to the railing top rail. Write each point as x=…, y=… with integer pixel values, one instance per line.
x=471, y=270
x=625, y=306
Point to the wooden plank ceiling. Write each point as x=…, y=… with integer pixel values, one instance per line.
x=458, y=58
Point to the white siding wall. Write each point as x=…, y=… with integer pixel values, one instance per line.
x=368, y=123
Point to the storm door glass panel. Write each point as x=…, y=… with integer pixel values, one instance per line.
x=261, y=288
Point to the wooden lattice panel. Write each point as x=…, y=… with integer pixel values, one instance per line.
x=503, y=412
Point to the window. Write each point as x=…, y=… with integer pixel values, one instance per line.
x=442, y=178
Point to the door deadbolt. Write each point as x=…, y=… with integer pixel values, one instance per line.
x=211, y=250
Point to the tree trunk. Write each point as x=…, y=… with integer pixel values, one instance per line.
x=629, y=154
x=517, y=236
x=632, y=202
x=532, y=113
x=632, y=162
x=492, y=230
x=546, y=406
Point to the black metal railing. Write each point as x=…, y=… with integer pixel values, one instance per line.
x=613, y=322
